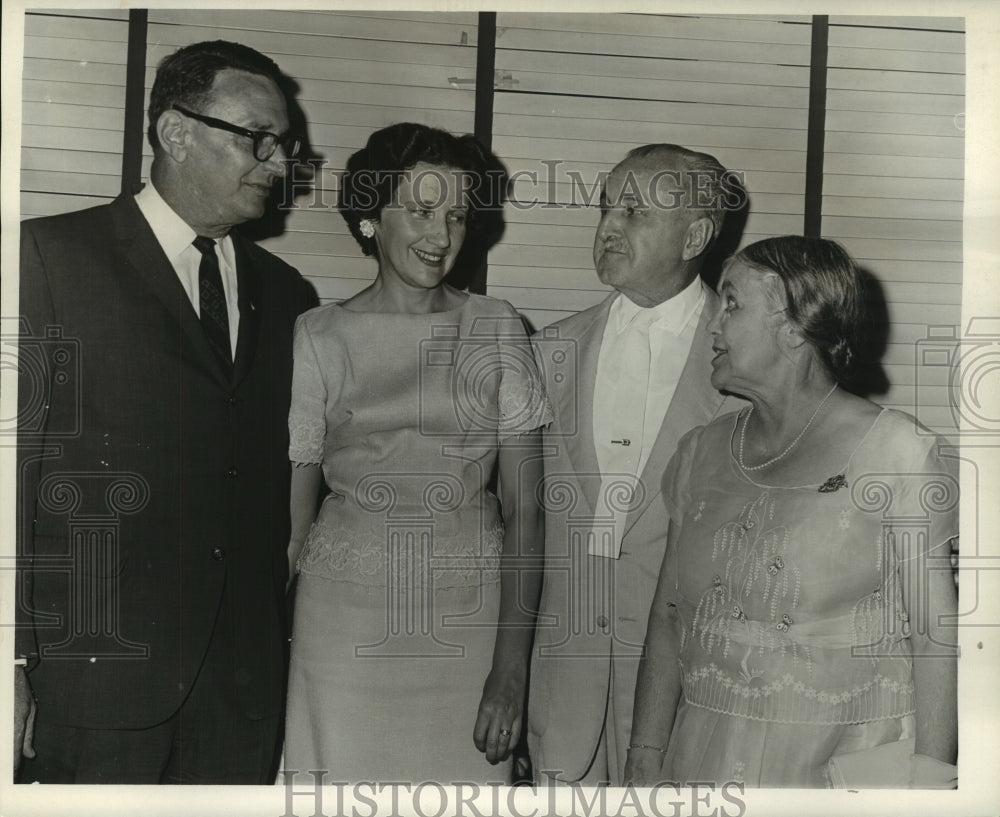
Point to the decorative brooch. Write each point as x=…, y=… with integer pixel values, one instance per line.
x=833, y=484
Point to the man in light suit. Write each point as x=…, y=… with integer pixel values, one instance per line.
x=626, y=378
x=153, y=449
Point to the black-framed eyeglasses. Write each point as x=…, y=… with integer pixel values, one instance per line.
x=264, y=142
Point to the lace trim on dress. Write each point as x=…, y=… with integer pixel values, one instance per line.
x=306, y=438
x=523, y=406
x=404, y=563
x=790, y=700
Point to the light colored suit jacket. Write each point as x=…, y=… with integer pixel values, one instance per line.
x=593, y=613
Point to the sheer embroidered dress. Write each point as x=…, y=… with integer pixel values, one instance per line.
x=790, y=599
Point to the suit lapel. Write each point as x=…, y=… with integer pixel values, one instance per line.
x=250, y=298
x=143, y=253
x=694, y=403
x=580, y=446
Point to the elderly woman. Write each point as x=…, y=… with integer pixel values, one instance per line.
x=800, y=631
x=408, y=400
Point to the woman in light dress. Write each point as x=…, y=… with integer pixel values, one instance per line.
x=805, y=607
x=419, y=407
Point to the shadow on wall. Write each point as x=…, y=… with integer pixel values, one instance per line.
x=488, y=227
x=729, y=238
x=299, y=182
x=870, y=378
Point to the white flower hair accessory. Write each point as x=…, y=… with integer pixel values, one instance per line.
x=367, y=227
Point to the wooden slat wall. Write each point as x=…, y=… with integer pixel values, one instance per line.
x=357, y=72
x=73, y=109
x=893, y=182
x=573, y=93
x=576, y=91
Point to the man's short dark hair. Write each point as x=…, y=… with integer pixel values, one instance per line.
x=186, y=76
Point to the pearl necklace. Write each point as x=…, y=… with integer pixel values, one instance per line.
x=805, y=428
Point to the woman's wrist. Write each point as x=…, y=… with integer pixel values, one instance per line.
x=510, y=669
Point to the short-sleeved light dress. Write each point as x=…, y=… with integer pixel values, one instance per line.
x=794, y=636
x=398, y=592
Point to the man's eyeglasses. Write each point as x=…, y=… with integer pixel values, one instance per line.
x=264, y=142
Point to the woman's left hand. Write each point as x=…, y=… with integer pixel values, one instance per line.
x=498, y=724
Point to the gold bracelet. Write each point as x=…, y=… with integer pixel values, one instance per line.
x=646, y=746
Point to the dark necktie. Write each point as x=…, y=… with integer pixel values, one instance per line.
x=212, y=299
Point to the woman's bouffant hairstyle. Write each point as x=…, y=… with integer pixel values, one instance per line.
x=825, y=296
x=373, y=174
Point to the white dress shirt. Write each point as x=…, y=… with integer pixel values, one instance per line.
x=175, y=237
x=642, y=355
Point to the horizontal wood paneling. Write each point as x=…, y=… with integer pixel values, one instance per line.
x=667, y=113
x=715, y=92
x=79, y=15
x=894, y=186
x=886, y=166
x=590, y=67
x=74, y=48
x=73, y=106
x=908, y=209
x=577, y=92
x=55, y=72
x=399, y=27
x=718, y=29
x=886, y=187
x=924, y=230
x=356, y=72
x=631, y=132
x=78, y=184
x=906, y=82
x=675, y=45
x=845, y=21
x=574, y=92
x=935, y=62
x=48, y=204
x=902, y=251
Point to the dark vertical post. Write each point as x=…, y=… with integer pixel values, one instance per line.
x=135, y=94
x=816, y=138
x=486, y=53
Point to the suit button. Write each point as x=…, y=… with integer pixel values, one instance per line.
x=218, y=554
x=232, y=399
x=232, y=473
x=602, y=621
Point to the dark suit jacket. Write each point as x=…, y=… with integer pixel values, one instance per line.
x=149, y=478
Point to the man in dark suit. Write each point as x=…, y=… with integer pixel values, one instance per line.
x=626, y=378
x=153, y=465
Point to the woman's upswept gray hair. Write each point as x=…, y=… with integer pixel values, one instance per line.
x=824, y=296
